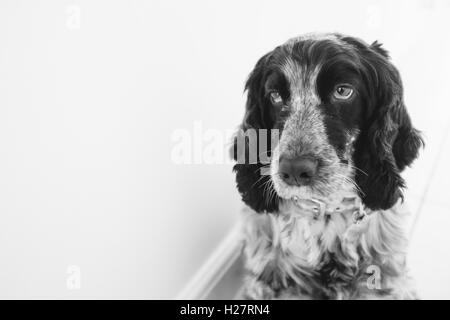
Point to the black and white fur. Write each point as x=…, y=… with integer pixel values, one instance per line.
x=361, y=145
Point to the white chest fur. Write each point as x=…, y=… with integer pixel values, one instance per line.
x=295, y=242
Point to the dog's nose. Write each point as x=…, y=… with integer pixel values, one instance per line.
x=297, y=171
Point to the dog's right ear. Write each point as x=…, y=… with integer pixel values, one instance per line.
x=254, y=186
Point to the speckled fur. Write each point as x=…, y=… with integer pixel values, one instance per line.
x=304, y=134
x=294, y=256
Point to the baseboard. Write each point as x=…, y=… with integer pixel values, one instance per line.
x=215, y=267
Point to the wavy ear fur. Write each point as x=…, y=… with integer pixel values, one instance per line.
x=256, y=189
x=387, y=142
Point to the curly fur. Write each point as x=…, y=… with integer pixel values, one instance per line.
x=292, y=256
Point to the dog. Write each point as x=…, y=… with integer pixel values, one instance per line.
x=324, y=215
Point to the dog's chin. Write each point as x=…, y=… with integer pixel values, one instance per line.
x=286, y=191
x=320, y=191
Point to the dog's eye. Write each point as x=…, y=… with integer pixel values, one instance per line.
x=276, y=98
x=343, y=92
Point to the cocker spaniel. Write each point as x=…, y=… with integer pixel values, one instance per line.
x=319, y=154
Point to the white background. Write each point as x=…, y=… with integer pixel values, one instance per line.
x=91, y=93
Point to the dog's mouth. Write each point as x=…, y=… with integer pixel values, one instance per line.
x=330, y=177
x=307, y=191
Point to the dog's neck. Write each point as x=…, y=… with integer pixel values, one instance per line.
x=329, y=240
x=344, y=203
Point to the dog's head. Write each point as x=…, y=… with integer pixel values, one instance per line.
x=337, y=105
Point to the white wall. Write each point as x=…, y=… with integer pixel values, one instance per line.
x=88, y=107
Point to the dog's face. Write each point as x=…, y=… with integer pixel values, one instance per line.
x=337, y=105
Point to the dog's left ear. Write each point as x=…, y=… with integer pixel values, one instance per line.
x=255, y=188
x=387, y=142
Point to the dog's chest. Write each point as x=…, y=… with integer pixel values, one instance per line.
x=304, y=249
x=327, y=256
x=308, y=238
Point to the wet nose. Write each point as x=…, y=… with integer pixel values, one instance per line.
x=298, y=171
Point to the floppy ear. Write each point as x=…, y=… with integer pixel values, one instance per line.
x=256, y=114
x=255, y=188
x=387, y=142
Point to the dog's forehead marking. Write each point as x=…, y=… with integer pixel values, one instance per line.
x=305, y=116
x=318, y=37
x=302, y=77
x=302, y=82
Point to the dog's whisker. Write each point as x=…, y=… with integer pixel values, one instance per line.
x=358, y=169
x=351, y=181
x=256, y=182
